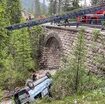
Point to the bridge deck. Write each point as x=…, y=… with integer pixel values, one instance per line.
x=58, y=18
x=73, y=28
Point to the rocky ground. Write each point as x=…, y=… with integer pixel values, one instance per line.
x=42, y=73
x=7, y=102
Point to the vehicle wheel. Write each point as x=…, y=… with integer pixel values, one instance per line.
x=49, y=90
x=17, y=102
x=30, y=85
x=50, y=94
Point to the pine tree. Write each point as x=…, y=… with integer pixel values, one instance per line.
x=69, y=5
x=13, y=9
x=51, y=7
x=59, y=6
x=95, y=2
x=79, y=60
x=3, y=33
x=37, y=8
x=66, y=5
x=75, y=3
x=43, y=8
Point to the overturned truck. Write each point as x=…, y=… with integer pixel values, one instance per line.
x=34, y=90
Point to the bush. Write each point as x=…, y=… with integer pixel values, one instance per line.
x=1, y=94
x=74, y=78
x=63, y=84
x=10, y=79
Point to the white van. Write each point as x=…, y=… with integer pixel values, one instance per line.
x=37, y=89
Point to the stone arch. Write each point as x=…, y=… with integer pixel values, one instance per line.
x=53, y=35
x=52, y=51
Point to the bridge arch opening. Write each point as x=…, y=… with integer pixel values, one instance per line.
x=52, y=52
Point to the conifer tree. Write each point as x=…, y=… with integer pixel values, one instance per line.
x=13, y=9
x=44, y=7
x=51, y=7
x=3, y=35
x=59, y=6
x=37, y=8
x=75, y=3
x=95, y=2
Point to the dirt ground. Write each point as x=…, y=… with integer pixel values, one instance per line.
x=42, y=73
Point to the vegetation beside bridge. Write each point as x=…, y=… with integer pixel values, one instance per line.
x=93, y=97
x=19, y=53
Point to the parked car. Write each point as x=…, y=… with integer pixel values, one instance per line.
x=34, y=90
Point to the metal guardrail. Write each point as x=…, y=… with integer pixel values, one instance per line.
x=72, y=14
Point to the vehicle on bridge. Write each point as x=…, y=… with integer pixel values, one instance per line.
x=34, y=90
x=95, y=18
x=73, y=14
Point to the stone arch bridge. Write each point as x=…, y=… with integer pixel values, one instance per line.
x=59, y=43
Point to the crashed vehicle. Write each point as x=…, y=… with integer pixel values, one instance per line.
x=34, y=90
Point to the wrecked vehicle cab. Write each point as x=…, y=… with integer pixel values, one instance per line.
x=34, y=90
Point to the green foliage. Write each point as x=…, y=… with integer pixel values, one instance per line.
x=52, y=7
x=45, y=100
x=3, y=33
x=96, y=34
x=79, y=60
x=70, y=5
x=63, y=84
x=74, y=78
x=69, y=80
x=10, y=79
x=93, y=97
x=75, y=3
x=35, y=36
x=16, y=49
x=16, y=60
x=1, y=94
x=37, y=8
x=95, y=2
x=44, y=10
x=20, y=60
x=62, y=6
x=20, y=50
x=13, y=10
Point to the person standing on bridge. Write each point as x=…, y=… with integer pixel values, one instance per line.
x=66, y=22
x=103, y=22
x=103, y=25
x=29, y=18
x=78, y=22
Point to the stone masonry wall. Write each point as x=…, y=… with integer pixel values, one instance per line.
x=65, y=41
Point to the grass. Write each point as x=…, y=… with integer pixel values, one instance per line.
x=93, y=97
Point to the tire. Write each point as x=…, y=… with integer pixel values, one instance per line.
x=30, y=85
x=17, y=102
x=49, y=90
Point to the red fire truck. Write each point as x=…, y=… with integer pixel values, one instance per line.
x=95, y=18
